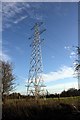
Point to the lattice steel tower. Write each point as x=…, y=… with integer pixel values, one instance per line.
x=35, y=84
x=77, y=67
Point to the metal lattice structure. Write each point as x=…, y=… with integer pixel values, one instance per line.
x=78, y=48
x=35, y=84
x=77, y=67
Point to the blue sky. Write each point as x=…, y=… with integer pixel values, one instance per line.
x=61, y=23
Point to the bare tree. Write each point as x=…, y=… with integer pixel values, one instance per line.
x=7, y=77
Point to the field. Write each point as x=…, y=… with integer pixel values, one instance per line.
x=50, y=109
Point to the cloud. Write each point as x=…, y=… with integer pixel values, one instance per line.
x=12, y=12
x=52, y=89
x=62, y=73
x=60, y=87
x=20, y=19
x=4, y=56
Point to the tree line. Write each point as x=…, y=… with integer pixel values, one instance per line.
x=68, y=93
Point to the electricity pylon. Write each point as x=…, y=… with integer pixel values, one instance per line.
x=35, y=85
x=78, y=48
x=77, y=67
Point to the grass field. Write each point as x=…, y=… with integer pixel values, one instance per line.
x=50, y=109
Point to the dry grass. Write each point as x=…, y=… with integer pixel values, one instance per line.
x=53, y=109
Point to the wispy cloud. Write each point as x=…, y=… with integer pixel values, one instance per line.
x=4, y=56
x=62, y=73
x=9, y=12
x=60, y=87
x=20, y=19
x=12, y=12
